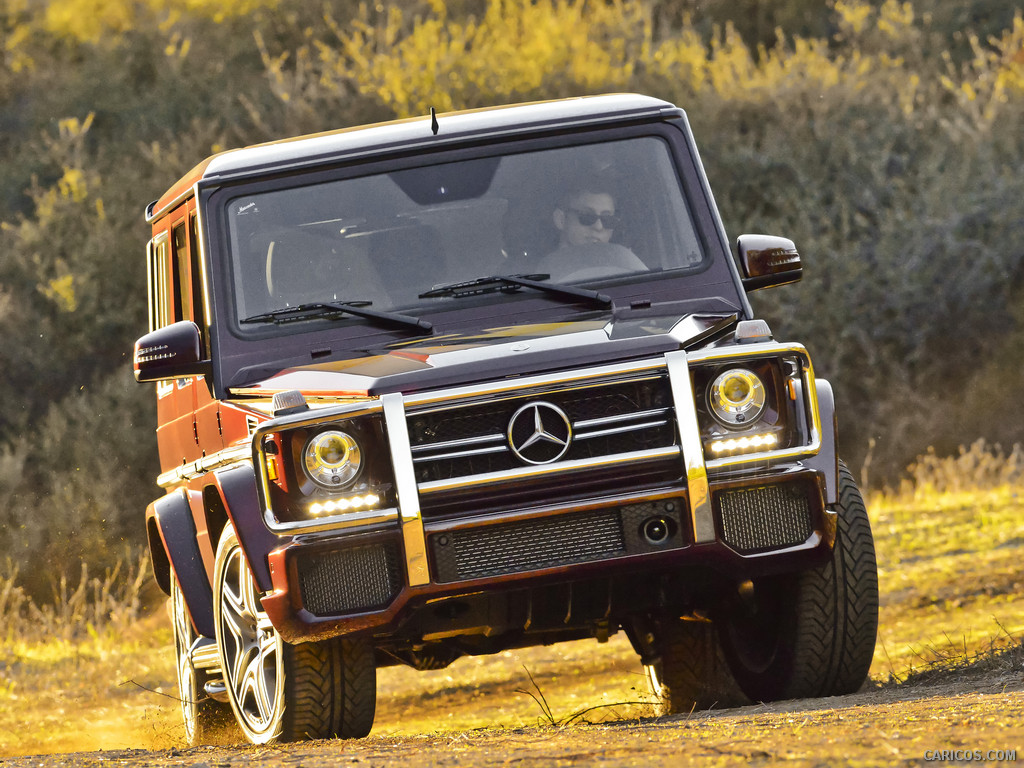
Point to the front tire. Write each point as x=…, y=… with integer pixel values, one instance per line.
x=281, y=692
x=689, y=672
x=811, y=634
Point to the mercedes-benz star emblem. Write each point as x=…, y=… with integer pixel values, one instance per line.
x=539, y=433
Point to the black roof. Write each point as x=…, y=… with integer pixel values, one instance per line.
x=413, y=132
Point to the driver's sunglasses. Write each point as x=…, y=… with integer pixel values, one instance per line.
x=590, y=218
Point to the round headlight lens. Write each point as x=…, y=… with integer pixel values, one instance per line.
x=736, y=397
x=332, y=459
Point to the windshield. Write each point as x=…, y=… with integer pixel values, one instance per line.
x=577, y=215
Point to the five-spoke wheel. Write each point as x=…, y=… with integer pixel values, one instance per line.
x=279, y=691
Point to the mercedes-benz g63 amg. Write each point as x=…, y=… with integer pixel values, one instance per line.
x=480, y=381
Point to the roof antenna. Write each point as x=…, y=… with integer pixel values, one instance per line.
x=433, y=121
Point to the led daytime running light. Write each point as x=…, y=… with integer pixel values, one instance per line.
x=349, y=504
x=744, y=444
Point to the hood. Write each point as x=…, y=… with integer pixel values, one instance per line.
x=495, y=353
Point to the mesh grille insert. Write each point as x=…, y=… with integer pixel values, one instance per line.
x=527, y=545
x=767, y=517
x=354, y=579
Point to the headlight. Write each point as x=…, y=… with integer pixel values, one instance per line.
x=736, y=397
x=332, y=459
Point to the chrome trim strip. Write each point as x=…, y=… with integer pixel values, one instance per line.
x=620, y=430
x=762, y=457
x=812, y=541
x=200, y=467
x=621, y=417
x=320, y=415
x=405, y=485
x=577, y=465
x=462, y=454
x=751, y=352
x=457, y=443
x=693, y=452
x=366, y=518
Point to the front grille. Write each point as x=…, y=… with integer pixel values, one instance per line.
x=527, y=545
x=350, y=580
x=607, y=418
x=765, y=517
x=465, y=441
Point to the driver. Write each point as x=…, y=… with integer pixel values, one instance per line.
x=585, y=216
x=586, y=222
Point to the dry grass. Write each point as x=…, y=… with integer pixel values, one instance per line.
x=950, y=543
x=94, y=670
x=70, y=669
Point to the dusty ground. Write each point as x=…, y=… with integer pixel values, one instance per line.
x=978, y=710
x=952, y=589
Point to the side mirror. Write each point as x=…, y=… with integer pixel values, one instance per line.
x=171, y=352
x=766, y=261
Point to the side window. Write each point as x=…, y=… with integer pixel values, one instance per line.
x=197, y=275
x=182, y=296
x=175, y=281
x=160, y=310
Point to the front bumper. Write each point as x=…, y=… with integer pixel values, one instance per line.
x=660, y=506
x=357, y=583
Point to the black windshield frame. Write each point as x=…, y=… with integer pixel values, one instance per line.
x=243, y=346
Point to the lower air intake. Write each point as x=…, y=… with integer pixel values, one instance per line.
x=528, y=545
x=767, y=517
x=350, y=580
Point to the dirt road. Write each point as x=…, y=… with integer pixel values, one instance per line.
x=446, y=718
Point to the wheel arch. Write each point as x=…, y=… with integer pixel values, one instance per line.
x=827, y=460
x=174, y=549
x=158, y=554
x=232, y=497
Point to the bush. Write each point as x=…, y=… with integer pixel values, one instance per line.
x=887, y=168
x=886, y=142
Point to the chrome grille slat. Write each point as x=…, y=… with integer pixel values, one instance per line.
x=620, y=430
x=461, y=454
x=586, y=423
x=542, y=470
x=457, y=443
x=423, y=453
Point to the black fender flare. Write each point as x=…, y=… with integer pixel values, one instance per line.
x=827, y=461
x=174, y=548
x=233, y=497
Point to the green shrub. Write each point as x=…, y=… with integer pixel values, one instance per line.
x=886, y=139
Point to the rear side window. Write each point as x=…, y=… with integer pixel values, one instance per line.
x=175, y=282
x=161, y=311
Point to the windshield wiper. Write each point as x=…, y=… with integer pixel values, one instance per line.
x=328, y=308
x=493, y=283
